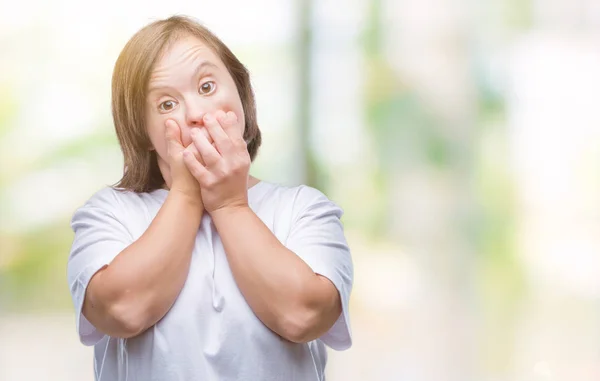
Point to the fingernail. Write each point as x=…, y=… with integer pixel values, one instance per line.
x=208, y=118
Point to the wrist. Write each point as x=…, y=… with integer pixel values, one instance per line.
x=192, y=198
x=230, y=212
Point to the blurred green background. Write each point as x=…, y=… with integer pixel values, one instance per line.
x=462, y=139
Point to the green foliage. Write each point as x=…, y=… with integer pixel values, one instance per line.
x=36, y=277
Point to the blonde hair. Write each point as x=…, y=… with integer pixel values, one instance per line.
x=130, y=86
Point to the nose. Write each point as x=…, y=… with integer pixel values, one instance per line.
x=194, y=112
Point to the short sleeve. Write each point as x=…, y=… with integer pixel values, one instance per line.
x=317, y=236
x=99, y=238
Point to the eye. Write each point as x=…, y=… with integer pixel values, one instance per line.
x=167, y=106
x=207, y=88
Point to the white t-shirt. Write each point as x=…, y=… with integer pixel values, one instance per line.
x=211, y=333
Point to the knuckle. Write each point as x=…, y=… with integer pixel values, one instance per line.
x=221, y=173
x=239, y=166
x=210, y=182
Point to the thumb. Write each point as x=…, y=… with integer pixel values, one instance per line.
x=173, y=135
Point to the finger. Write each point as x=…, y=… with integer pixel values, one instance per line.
x=210, y=156
x=203, y=131
x=192, y=148
x=173, y=136
x=214, y=126
x=229, y=121
x=194, y=151
x=232, y=128
x=199, y=171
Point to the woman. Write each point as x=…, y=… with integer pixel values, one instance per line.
x=189, y=268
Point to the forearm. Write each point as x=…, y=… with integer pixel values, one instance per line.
x=143, y=281
x=279, y=286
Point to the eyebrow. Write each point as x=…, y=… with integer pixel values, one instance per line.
x=203, y=65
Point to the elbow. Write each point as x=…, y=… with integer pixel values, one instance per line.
x=296, y=333
x=310, y=321
x=127, y=321
x=113, y=312
x=301, y=326
x=113, y=317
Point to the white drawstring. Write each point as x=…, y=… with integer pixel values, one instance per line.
x=217, y=299
x=124, y=356
x=319, y=377
x=99, y=376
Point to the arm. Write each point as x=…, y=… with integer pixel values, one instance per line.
x=282, y=290
x=141, y=284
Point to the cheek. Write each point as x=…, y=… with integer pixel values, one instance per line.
x=156, y=133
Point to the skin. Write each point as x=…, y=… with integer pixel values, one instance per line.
x=195, y=122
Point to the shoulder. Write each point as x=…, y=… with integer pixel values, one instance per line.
x=301, y=198
x=123, y=204
x=109, y=198
x=119, y=208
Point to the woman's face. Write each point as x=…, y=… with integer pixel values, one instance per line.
x=188, y=81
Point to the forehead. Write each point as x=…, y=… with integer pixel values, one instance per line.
x=184, y=51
